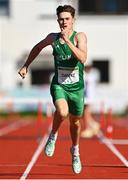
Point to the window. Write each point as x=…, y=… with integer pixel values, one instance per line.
x=41, y=76
x=103, y=67
x=4, y=8
x=100, y=7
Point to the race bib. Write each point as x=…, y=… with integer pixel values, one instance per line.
x=68, y=75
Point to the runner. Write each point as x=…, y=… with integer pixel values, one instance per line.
x=67, y=86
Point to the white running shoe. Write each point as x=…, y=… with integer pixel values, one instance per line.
x=50, y=146
x=76, y=162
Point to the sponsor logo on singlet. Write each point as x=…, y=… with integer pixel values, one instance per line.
x=63, y=57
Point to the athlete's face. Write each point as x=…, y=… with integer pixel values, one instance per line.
x=65, y=21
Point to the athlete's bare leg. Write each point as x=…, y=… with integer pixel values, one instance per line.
x=75, y=128
x=61, y=114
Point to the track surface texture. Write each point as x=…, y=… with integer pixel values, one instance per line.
x=22, y=141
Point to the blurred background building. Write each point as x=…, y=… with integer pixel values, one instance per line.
x=23, y=23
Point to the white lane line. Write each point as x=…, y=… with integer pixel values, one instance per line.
x=35, y=155
x=109, y=144
x=119, y=141
x=12, y=127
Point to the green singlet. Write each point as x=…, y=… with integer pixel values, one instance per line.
x=68, y=80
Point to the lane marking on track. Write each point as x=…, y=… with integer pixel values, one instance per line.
x=36, y=155
x=12, y=127
x=119, y=141
x=115, y=151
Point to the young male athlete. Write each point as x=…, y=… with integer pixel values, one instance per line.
x=67, y=86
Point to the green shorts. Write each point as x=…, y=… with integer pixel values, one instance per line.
x=75, y=99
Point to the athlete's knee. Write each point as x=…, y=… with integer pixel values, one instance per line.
x=62, y=108
x=75, y=121
x=63, y=113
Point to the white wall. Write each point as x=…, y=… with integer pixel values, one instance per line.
x=108, y=38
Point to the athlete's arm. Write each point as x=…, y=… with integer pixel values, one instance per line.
x=80, y=50
x=34, y=53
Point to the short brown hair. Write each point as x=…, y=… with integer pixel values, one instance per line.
x=65, y=8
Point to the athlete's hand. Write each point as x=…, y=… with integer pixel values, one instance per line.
x=65, y=34
x=23, y=71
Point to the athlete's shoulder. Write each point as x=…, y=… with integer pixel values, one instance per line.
x=81, y=35
x=52, y=36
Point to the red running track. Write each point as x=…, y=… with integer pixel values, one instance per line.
x=22, y=154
